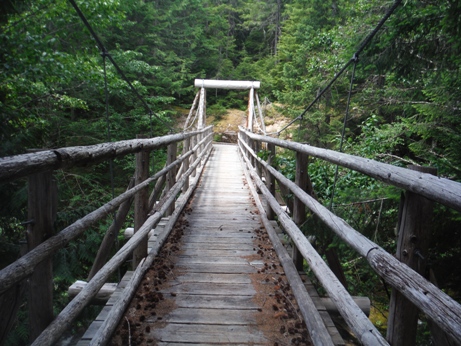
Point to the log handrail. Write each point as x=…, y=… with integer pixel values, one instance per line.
x=64, y=320
x=442, y=190
x=18, y=166
x=25, y=265
x=442, y=309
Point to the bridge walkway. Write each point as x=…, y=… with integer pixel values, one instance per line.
x=218, y=279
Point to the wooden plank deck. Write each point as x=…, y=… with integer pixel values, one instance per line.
x=227, y=285
x=214, y=292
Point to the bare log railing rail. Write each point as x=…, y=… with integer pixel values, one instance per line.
x=196, y=147
x=437, y=305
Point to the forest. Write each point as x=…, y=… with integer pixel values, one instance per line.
x=403, y=107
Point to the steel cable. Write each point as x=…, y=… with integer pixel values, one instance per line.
x=119, y=70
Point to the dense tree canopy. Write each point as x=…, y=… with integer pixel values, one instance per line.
x=405, y=105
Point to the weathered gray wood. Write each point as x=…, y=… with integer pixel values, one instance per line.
x=171, y=176
x=156, y=191
x=111, y=234
x=441, y=190
x=436, y=304
x=42, y=200
x=14, y=167
x=185, y=165
x=263, y=125
x=24, y=266
x=228, y=268
x=270, y=181
x=216, y=334
x=212, y=316
x=319, y=334
x=71, y=311
x=412, y=245
x=141, y=202
x=226, y=84
x=251, y=110
x=215, y=302
x=201, y=109
x=194, y=104
x=354, y=317
x=299, y=209
x=101, y=297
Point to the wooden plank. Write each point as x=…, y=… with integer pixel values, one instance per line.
x=214, y=278
x=218, y=246
x=186, y=333
x=207, y=240
x=211, y=316
x=228, y=268
x=92, y=329
x=216, y=253
x=184, y=260
x=227, y=289
x=215, y=302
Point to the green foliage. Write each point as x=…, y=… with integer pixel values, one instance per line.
x=404, y=107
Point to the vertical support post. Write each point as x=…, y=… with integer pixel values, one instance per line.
x=257, y=148
x=299, y=209
x=251, y=109
x=141, y=203
x=171, y=175
x=193, y=143
x=413, y=241
x=185, y=163
x=201, y=114
x=42, y=214
x=270, y=181
x=263, y=125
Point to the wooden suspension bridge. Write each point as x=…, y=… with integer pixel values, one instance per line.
x=209, y=266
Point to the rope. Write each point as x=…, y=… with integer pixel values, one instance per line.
x=119, y=70
x=354, y=60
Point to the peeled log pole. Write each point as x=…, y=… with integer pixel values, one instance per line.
x=226, y=84
x=354, y=317
x=42, y=214
x=109, y=325
x=25, y=265
x=14, y=167
x=111, y=234
x=71, y=311
x=441, y=190
x=412, y=245
x=141, y=203
x=437, y=305
x=314, y=323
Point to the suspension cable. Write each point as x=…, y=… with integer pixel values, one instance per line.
x=354, y=58
x=346, y=117
x=119, y=70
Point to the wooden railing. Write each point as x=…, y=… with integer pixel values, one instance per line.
x=426, y=297
x=39, y=166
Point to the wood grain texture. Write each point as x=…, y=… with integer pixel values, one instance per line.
x=214, y=293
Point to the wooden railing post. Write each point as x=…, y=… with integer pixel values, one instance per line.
x=171, y=175
x=257, y=148
x=413, y=241
x=299, y=209
x=141, y=203
x=186, y=163
x=41, y=214
x=270, y=181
